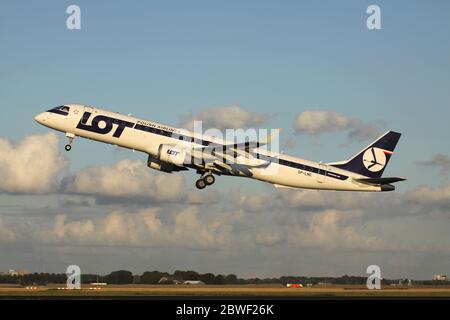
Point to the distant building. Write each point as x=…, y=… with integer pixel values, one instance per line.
x=440, y=277
x=193, y=282
x=13, y=273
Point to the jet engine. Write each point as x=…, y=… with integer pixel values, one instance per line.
x=159, y=165
x=172, y=154
x=170, y=158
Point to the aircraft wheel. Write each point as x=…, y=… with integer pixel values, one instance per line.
x=209, y=179
x=200, y=184
x=68, y=147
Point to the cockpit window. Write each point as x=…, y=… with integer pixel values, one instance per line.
x=63, y=110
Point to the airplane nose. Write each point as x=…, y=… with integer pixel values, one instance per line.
x=40, y=118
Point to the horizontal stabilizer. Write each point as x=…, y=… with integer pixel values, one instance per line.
x=380, y=180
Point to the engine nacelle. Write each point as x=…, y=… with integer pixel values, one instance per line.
x=159, y=165
x=172, y=154
x=169, y=158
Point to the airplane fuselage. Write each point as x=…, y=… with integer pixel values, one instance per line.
x=148, y=137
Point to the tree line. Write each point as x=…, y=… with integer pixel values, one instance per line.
x=155, y=277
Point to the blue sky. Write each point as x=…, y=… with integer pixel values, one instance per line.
x=162, y=60
x=167, y=60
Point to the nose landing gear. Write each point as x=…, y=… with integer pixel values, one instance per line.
x=204, y=181
x=70, y=137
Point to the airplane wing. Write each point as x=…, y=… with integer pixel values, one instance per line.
x=238, y=162
x=239, y=168
x=247, y=145
x=232, y=159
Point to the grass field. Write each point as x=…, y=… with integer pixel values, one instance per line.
x=246, y=291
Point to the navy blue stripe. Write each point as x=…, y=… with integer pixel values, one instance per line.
x=301, y=166
x=170, y=134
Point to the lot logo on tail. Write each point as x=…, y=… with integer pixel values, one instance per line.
x=374, y=159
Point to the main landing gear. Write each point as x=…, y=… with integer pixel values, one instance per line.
x=204, y=181
x=70, y=137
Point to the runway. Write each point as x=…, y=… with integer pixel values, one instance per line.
x=224, y=291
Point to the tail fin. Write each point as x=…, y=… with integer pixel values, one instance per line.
x=372, y=161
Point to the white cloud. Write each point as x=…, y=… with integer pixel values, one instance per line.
x=115, y=229
x=208, y=196
x=234, y=224
x=361, y=131
x=306, y=200
x=327, y=229
x=246, y=232
x=77, y=229
x=440, y=161
x=127, y=179
x=190, y=228
x=32, y=165
x=427, y=196
x=313, y=199
x=143, y=228
x=270, y=237
x=229, y=117
x=315, y=122
x=5, y=233
x=309, y=218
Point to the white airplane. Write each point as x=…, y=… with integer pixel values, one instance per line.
x=172, y=149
